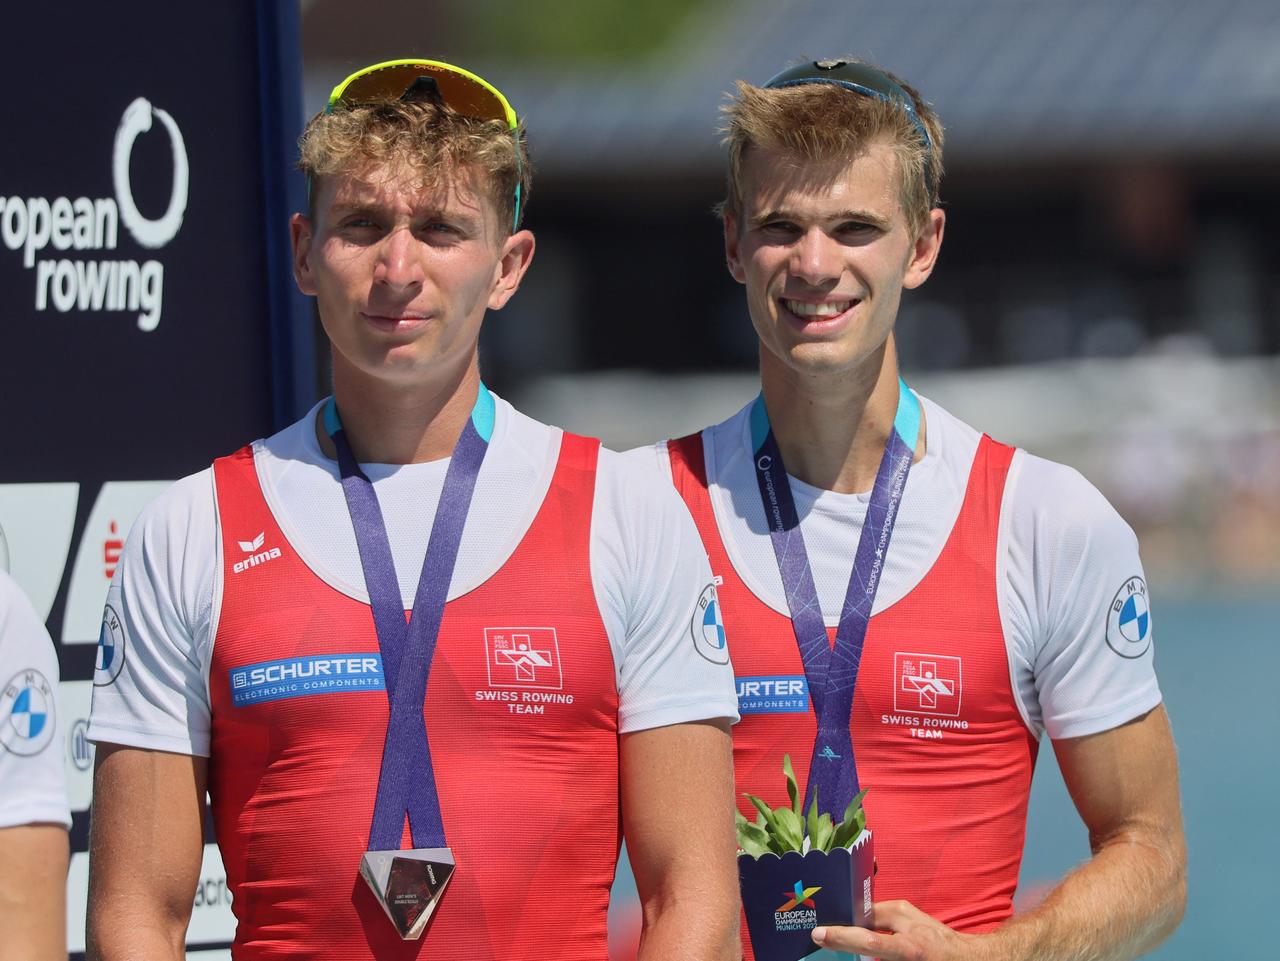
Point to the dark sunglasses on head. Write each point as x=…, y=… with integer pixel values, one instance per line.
x=866, y=80
x=461, y=90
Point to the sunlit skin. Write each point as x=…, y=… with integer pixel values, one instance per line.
x=831, y=236
x=403, y=274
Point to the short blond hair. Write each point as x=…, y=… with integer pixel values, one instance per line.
x=825, y=121
x=430, y=139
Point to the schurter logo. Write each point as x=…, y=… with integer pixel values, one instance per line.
x=707, y=627
x=110, y=657
x=26, y=713
x=256, y=555
x=1129, y=620
x=799, y=911
x=33, y=224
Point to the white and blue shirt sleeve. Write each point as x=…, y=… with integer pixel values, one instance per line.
x=33, y=786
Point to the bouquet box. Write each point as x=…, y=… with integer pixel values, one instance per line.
x=784, y=897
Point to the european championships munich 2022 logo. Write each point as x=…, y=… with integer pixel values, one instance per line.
x=66, y=283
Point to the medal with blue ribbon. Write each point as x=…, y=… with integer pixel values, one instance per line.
x=832, y=671
x=409, y=883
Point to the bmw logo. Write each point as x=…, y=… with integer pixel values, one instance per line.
x=110, y=658
x=1129, y=620
x=707, y=627
x=26, y=713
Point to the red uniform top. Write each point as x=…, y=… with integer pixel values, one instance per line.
x=521, y=714
x=937, y=734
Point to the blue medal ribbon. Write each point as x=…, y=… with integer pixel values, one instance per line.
x=832, y=672
x=406, y=781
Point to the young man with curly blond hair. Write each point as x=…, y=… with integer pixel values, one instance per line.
x=546, y=697
x=919, y=654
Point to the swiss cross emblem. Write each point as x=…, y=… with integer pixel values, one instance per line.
x=527, y=657
x=927, y=684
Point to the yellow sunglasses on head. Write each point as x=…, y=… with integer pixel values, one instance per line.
x=463, y=91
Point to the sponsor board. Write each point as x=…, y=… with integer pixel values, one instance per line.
x=74, y=700
x=117, y=506
x=36, y=523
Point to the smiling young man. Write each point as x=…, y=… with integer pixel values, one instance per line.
x=548, y=694
x=922, y=652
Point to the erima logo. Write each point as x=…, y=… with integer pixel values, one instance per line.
x=254, y=559
x=250, y=546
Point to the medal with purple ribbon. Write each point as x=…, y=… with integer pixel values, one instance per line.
x=409, y=883
x=832, y=671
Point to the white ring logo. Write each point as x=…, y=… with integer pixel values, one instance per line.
x=764, y=463
x=136, y=120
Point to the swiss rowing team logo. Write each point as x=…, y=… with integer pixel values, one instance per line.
x=1129, y=620
x=26, y=713
x=524, y=657
x=927, y=684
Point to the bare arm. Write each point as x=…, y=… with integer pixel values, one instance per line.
x=145, y=850
x=1119, y=904
x=33, y=892
x=677, y=812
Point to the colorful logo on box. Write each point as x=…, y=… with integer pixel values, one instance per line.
x=797, y=896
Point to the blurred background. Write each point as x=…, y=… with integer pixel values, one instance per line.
x=1108, y=296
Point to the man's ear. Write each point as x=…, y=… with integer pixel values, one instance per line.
x=924, y=255
x=517, y=254
x=733, y=248
x=300, y=235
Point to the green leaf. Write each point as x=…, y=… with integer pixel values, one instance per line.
x=789, y=828
x=752, y=838
x=854, y=806
x=766, y=812
x=793, y=789
x=811, y=822
x=820, y=837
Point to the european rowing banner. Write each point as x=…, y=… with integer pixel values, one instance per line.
x=147, y=315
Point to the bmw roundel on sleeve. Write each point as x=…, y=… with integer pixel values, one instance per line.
x=1129, y=620
x=26, y=713
x=707, y=627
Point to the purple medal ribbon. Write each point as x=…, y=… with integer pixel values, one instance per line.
x=406, y=781
x=832, y=673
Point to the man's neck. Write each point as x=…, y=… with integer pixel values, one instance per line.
x=832, y=428
x=397, y=424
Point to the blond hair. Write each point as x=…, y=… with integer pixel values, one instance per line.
x=432, y=140
x=824, y=121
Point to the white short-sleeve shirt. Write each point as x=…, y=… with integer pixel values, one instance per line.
x=1072, y=596
x=33, y=785
x=648, y=569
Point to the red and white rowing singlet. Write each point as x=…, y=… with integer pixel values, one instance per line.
x=521, y=712
x=937, y=734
